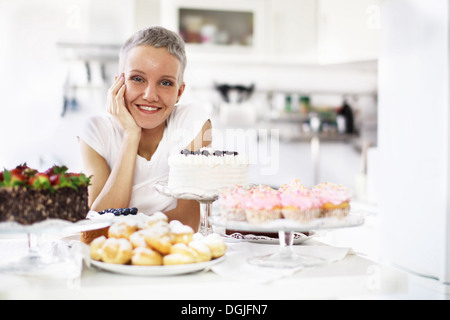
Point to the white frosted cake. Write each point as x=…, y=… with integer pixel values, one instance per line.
x=207, y=170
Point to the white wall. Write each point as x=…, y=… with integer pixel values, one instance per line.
x=30, y=84
x=33, y=73
x=414, y=135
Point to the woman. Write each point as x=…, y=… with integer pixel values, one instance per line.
x=126, y=153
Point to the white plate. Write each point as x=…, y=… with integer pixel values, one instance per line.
x=54, y=225
x=299, y=238
x=155, y=270
x=194, y=194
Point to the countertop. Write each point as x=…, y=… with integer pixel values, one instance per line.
x=352, y=277
x=357, y=275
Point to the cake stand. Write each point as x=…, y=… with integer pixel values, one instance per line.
x=286, y=257
x=35, y=259
x=205, y=197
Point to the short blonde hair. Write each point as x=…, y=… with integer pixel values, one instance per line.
x=157, y=37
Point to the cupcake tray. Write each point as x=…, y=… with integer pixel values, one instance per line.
x=354, y=219
x=286, y=257
x=265, y=238
x=285, y=228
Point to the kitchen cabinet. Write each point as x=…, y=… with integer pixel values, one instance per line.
x=282, y=31
x=292, y=31
x=207, y=31
x=302, y=32
x=348, y=30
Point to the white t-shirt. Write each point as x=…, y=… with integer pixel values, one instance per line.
x=104, y=135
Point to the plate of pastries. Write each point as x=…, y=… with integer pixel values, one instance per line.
x=155, y=247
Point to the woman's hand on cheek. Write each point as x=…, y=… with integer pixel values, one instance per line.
x=116, y=106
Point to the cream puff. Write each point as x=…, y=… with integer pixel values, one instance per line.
x=116, y=250
x=202, y=250
x=180, y=233
x=122, y=229
x=146, y=257
x=178, y=258
x=216, y=244
x=161, y=243
x=96, y=247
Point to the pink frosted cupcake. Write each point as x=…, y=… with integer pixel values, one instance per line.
x=231, y=202
x=300, y=205
x=335, y=199
x=294, y=184
x=263, y=204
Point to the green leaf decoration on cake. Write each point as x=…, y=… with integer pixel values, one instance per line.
x=53, y=178
x=11, y=179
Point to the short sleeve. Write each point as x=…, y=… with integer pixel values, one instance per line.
x=184, y=124
x=96, y=131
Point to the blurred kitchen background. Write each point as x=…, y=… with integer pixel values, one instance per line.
x=304, y=68
x=356, y=91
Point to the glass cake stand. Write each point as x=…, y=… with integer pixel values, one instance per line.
x=35, y=259
x=205, y=197
x=286, y=257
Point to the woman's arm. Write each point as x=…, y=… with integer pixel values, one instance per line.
x=111, y=187
x=203, y=138
x=188, y=211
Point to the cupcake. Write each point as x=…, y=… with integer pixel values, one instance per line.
x=300, y=205
x=335, y=199
x=231, y=202
x=263, y=204
x=294, y=184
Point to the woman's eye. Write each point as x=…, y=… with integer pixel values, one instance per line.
x=137, y=79
x=166, y=83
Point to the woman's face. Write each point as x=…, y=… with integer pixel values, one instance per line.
x=152, y=89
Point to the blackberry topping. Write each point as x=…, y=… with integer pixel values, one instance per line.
x=120, y=211
x=186, y=152
x=217, y=153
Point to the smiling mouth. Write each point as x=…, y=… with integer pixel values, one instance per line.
x=148, y=108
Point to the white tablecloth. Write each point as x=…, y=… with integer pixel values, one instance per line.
x=236, y=265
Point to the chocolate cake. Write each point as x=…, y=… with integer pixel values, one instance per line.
x=28, y=196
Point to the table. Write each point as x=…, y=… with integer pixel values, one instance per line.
x=353, y=277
